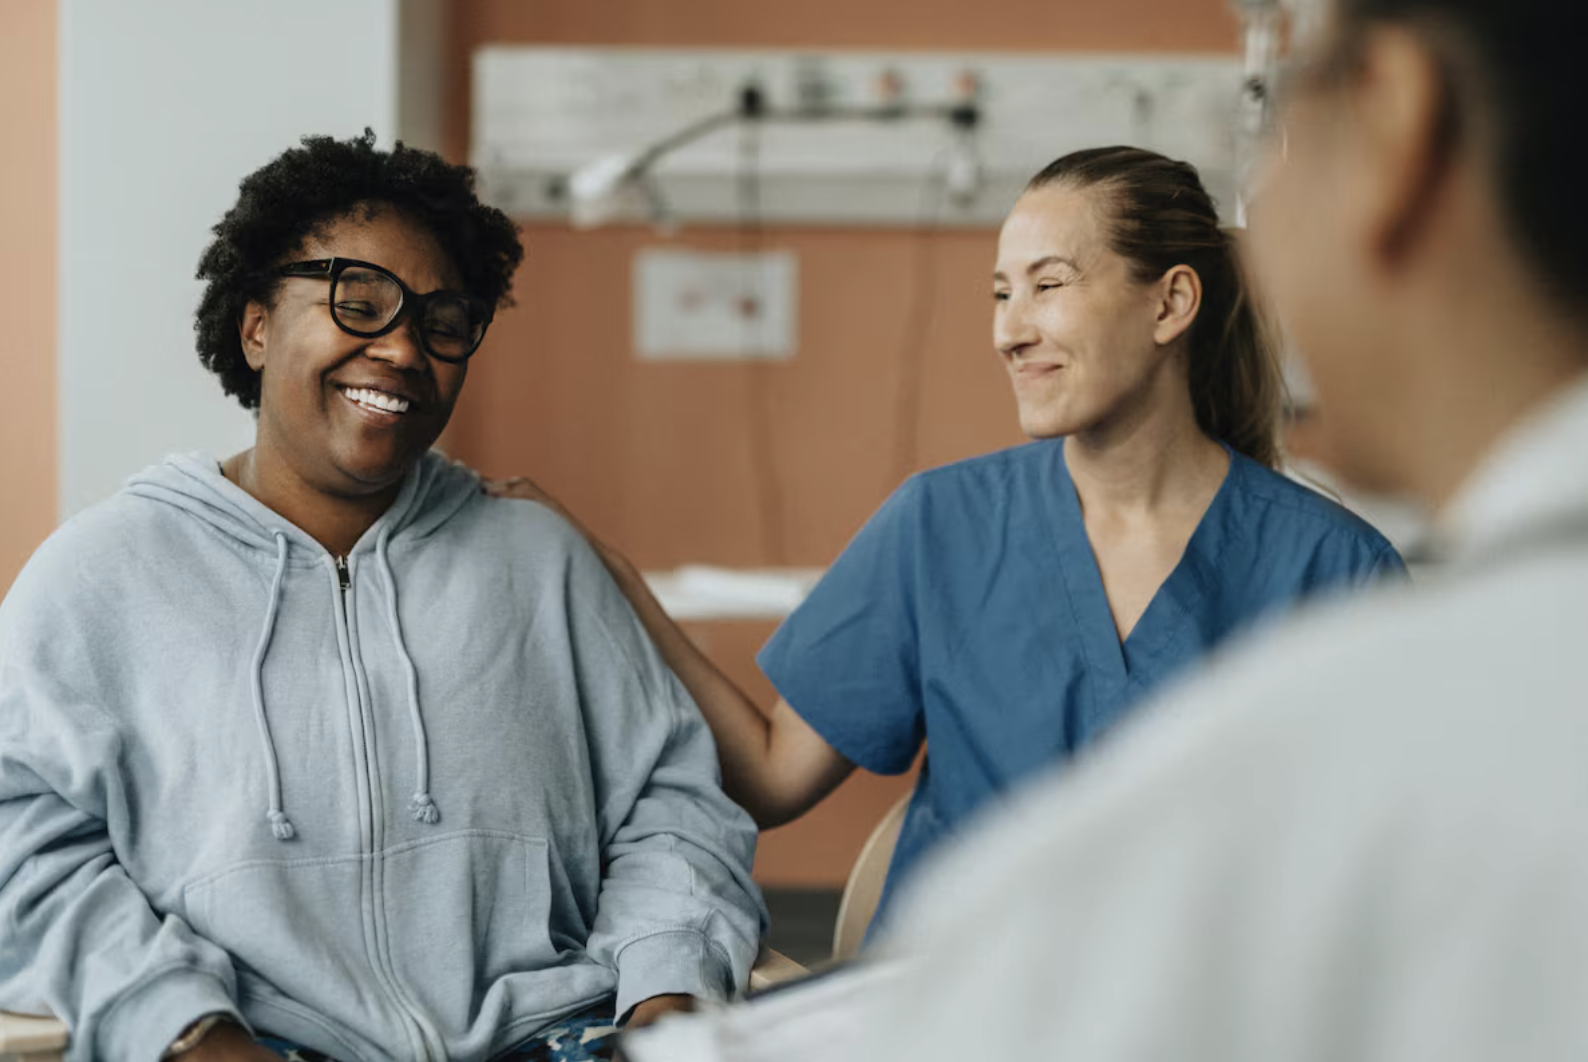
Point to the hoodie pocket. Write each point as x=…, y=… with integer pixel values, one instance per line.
x=474, y=907
x=297, y=926
x=451, y=917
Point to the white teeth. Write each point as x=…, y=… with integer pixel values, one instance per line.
x=377, y=400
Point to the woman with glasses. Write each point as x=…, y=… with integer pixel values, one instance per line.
x=1008, y=610
x=317, y=748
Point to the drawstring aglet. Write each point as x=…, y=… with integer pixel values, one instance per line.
x=425, y=809
x=281, y=826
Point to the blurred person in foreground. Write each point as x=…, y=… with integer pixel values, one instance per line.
x=1362, y=836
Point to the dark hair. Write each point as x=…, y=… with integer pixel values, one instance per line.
x=305, y=188
x=1513, y=78
x=1160, y=216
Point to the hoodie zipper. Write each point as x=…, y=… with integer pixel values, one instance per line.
x=416, y=1026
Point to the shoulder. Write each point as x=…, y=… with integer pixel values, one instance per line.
x=117, y=528
x=83, y=576
x=519, y=527
x=981, y=492
x=956, y=505
x=541, y=548
x=1275, y=505
x=1261, y=486
x=994, y=473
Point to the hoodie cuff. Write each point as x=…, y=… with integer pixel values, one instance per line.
x=147, y=1020
x=678, y=961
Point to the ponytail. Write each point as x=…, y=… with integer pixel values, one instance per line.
x=1237, y=385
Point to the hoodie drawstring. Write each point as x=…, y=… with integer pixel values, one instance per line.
x=423, y=807
x=279, y=823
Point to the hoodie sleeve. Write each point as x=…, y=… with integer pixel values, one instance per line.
x=80, y=938
x=678, y=911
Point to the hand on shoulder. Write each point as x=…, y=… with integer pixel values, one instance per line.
x=522, y=488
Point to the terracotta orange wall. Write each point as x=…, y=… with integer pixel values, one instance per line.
x=774, y=463
x=27, y=279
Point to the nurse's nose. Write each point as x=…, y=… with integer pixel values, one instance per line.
x=1013, y=330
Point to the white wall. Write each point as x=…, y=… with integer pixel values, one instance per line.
x=165, y=106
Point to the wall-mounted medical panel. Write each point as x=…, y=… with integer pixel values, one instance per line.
x=711, y=306
x=542, y=113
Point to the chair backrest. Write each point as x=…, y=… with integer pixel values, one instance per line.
x=863, y=890
x=30, y=1038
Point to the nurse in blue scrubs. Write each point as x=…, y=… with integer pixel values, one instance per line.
x=1006, y=611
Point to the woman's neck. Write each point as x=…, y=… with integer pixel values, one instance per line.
x=1156, y=468
x=335, y=522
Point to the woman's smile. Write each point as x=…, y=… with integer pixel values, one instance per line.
x=382, y=406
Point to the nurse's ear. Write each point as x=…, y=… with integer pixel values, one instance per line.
x=251, y=330
x=1178, y=295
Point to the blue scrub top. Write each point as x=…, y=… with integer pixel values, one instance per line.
x=969, y=613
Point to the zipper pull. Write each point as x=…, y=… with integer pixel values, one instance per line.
x=342, y=574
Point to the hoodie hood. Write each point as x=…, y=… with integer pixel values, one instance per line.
x=433, y=491
x=430, y=494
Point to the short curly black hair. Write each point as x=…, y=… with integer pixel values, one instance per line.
x=304, y=188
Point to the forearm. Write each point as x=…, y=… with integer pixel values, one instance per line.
x=79, y=933
x=773, y=764
x=742, y=731
x=83, y=941
x=679, y=913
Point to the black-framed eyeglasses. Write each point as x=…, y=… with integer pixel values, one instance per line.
x=368, y=300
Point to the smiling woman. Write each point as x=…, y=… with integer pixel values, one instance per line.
x=370, y=815
x=343, y=416
x=1008, y=610
x=314, y=316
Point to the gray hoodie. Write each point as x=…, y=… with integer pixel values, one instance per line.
x=413, y=807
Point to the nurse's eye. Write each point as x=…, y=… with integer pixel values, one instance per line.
x=1000, y=296
x=1049, y=285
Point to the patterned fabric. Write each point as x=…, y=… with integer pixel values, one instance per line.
x=589, y=1036
x=293, y=1052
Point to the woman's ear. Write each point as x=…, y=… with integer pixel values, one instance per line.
x=1179, y=298
x=251, y=330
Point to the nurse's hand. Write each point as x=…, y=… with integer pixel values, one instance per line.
x=522, y=488
x=525, y=489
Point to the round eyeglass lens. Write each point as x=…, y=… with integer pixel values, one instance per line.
x=364, y=301
x=451, y=327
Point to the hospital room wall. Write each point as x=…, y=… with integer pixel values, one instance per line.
x=125, y=129
x=27, y=281
x=779, y=463
x=749, y=464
